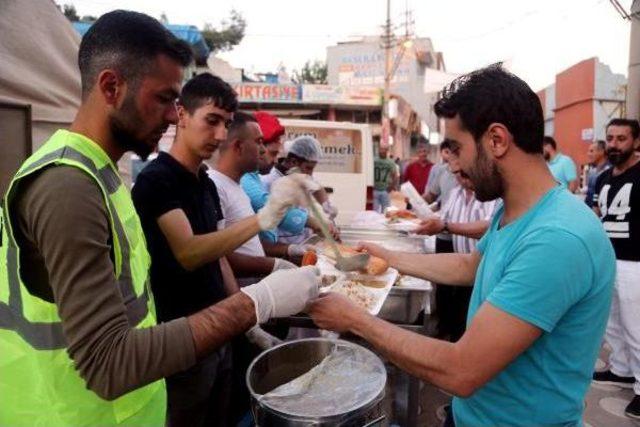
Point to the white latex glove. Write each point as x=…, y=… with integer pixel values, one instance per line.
x=300, y=249
x=282, y=264
x=284, y=292
x=330, y=210
x=262, y=338
x=285, y=192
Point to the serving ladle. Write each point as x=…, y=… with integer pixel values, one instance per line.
x=343, y=263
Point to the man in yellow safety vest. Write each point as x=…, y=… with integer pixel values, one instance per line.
x=79, y=344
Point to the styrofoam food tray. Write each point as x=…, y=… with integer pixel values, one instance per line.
x=389, y=277
x=414, y=284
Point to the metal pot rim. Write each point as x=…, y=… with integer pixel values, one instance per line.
x=349, y=414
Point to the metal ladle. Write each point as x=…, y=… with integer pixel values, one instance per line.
x=350, y=263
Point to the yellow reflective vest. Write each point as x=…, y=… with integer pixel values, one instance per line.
x=39, y=385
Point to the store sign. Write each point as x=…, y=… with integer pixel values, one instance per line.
x=367, y=68
x=322, y=94
x=341, y=148
x=340, y=95
x=261, y=92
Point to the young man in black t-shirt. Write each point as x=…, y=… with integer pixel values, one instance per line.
x=617, y=202
x=180, y=213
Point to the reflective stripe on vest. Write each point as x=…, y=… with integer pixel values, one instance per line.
x=49, y=336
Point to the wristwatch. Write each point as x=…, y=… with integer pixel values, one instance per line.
x=446, y=227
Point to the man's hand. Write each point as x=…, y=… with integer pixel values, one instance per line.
x=430, y=226
x=299, y=250
x=314, y=224
x=284, y=292
x=330, y=210
x=375, y=250
x=285, y=192
x=334, y=231
x=334, y=312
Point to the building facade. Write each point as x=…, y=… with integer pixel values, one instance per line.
x=578, y=106
x=362, y=63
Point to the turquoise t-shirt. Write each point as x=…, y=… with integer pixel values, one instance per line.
x=563, y=169
x=554, y=268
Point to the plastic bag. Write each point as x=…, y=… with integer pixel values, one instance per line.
x=345, y=380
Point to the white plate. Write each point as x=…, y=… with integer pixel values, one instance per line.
x=389, y=277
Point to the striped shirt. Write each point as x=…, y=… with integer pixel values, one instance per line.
x=462, y=207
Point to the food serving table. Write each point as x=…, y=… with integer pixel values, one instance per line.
x=403, y=304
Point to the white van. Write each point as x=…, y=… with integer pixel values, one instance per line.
x=347, y=162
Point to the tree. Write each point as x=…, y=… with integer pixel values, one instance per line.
x=312, y=73
x=230, y=33
x=163, y=18
x=70, y=12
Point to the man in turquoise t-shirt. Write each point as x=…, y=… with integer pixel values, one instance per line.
x=524, y=272
x=542, y=274
x=562, y=167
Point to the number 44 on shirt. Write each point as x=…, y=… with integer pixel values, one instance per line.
x=620, y=206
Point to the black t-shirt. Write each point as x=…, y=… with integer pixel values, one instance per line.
x=164, y=185
x=618, y=198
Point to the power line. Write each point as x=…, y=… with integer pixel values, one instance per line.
x=618, y=7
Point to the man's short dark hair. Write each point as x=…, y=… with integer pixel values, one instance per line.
x=446, y=145
x=127, y=42
x=205, y=88
x=493, y=95
x=601, y=144
x=548, y=140
x=239, y=122
x=631, y=123
x=237, y=128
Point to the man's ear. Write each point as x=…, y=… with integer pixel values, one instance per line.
x=499, y=140
x=183, y=115
x=236, y=145
x=112, y=87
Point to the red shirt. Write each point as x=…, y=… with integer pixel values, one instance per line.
x=418, y=174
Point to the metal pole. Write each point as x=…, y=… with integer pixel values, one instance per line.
x=633, y=81
x=386, y=121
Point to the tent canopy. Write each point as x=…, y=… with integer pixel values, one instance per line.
x=38, y=64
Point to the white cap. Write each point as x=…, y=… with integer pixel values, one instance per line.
x=287, y=146
x=306, y=147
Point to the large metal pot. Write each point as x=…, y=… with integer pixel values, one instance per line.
x=285, y=362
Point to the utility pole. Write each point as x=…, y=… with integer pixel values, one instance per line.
x=633, y=80
x=387, y=45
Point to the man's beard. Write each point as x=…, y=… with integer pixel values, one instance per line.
x=547, y=156
x=485, y=177
x=617, y=157
x=123, y=125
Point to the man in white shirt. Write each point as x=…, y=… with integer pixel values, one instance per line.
x=239, y=155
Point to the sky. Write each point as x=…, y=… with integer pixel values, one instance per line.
x=538, y=39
